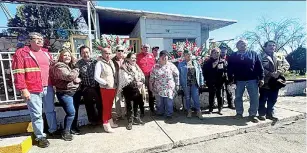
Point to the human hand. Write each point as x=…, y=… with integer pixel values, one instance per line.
x=77, y=80
x=261, y=83
x=139, y=84
x=25, y=94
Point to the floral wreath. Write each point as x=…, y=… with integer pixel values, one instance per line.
x=111, y=41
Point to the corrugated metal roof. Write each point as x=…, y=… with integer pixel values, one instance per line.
x=68, y=3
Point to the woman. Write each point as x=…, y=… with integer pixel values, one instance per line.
x=191, y=78
x=131, y=84
x=65, y=79
x=106, y=76
x=164, y=81
x=214, y=72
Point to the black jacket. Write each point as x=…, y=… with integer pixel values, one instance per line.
x=215, y=76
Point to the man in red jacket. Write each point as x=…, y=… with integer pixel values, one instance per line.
x=146, y=61
x=31, y=76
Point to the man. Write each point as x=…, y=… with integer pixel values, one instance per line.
x=146, y=61
x=274, y=67
x=89, y=87
x=31, y=75
x=245, y=68
x=226, y=85
x=118, y=61
x=155, y=51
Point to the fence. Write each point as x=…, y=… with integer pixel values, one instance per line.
x=8, y=92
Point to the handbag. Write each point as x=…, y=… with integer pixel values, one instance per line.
x=277, y=83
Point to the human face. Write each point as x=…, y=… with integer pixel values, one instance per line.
x=66, y=57
x=85, y=54
x=155, y=52
x=215, y=54
x=132, y=59
x=271, y=47
x=163, y=59
x=106, y=54
x=119, y=54
x=145, y=49
x=223, y=51
x=242, y=45
x=187, y=57
x=37, y=42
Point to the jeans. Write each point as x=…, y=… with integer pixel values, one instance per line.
x=269, y=97
x=192, y=92
x=77, y=100
x=35, y=104
x=252, y=89
x=165, y=106
x=67, y=102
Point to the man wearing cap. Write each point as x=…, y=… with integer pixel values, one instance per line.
x=226, y=85
x=245, y=68
x=118, y=61
x=155, y=51
x=146, y=61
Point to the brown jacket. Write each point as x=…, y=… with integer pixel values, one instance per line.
x=62, y=77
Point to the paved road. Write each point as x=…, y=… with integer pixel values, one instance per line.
x=289, y=138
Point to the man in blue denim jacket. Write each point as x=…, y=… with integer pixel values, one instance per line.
x=191, y=79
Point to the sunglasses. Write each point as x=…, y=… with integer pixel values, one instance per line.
x=120, y=51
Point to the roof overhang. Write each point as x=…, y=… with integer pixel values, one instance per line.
x=68, y=3
x=122, y=21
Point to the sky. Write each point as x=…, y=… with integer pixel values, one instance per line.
x=247, y=14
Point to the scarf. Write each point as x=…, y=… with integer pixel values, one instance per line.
x=129, y=73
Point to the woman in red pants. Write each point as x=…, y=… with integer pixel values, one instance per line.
x=105, y=75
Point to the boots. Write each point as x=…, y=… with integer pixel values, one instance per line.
x=199, y=114
x=189, y=113
x=113, y=125
x=107, y=127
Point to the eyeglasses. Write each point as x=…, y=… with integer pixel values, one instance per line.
x=41, y=39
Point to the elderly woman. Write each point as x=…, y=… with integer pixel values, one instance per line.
x=214, y=71
x=164, y=81
x=64, y=77
x=191, y=78
x=131, y=84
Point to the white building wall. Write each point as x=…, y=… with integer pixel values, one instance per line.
x=136, y=31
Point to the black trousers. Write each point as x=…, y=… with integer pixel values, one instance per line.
x=151, y=96
x=133, y=103
x=77, y=102
x=215, y=91
x=93, y=105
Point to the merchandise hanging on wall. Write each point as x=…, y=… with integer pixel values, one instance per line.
x=62, y=33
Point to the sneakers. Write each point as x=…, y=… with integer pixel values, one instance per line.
x=253, y=119
x=43, y=143
x=239, y=116
x=261, y=118
x=107, y=127
x=199, y=115
x=138, y=120
x=189, y=113
x=75, y=131
x=67, y=136
x=112, y=124
x=129, y=126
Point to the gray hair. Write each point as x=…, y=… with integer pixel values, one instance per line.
x=32, y=34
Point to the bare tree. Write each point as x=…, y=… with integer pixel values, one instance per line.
x=288, y=34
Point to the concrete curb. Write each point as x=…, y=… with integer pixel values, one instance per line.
x=258, y=127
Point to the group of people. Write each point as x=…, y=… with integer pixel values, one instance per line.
x=108, y=79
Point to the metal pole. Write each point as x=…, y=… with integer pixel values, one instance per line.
x=89, y=24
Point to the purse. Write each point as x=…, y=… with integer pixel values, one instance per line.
x=277, y=83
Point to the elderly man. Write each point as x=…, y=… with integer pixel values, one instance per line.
x=118, y=61
x=226, y=84
x=274, y=67
x=245, y=68
x=89, y=87
x=31, y=76
x=146, y=61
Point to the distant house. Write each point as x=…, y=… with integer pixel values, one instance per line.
x=157, y=29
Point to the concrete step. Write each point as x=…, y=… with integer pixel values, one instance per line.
x=16, y=143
